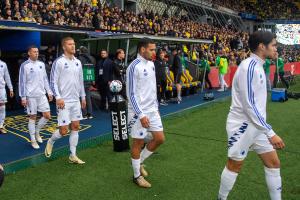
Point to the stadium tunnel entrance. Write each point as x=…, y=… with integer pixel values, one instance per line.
x=112, y=41
x=15, y=42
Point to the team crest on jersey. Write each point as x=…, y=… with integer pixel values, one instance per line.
x=66, y=65
x=261, y=79
x=145, y=72
x=1, y=66
x=31, y=70
x=77, y=64
x=40, y=67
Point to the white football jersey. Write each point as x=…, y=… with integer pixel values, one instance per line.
x=249, y=95
x=141, y=87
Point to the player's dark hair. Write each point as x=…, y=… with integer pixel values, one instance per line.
x=32, y=47
x=258, y=37
x=144, y=42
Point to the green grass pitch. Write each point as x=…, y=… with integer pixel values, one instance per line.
x=187, y=166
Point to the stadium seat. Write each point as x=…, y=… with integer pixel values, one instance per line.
x=189, y=83
x=170, y=81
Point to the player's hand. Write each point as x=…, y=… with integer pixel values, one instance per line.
x=1, y=168
x=50, y=97
x=145, y=122
x=83, y=104
x=24, y=103
x=60, y=103
x=277, y=142
x=11, y=94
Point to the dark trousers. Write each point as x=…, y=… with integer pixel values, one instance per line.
x=105, y=94
x=282, y=80
x=207, y=81
x=123, y=91
x=161, y=90
x=89, y=106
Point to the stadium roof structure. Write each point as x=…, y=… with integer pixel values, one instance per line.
x=41, y=30
x=95, y=36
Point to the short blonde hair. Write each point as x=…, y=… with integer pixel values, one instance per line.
x=65, y=39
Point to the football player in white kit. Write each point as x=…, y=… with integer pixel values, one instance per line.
x=246, y=126
x=33, y=85
x=4, y=80
x=143, y=114
x=66, y=82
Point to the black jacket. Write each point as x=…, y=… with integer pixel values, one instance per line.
x=104, y=71
x=177, y=66
x=119, y=70
x=160, y=70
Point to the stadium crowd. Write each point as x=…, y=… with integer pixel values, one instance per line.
x=98, y=16
x=290, y=53
x=94, y=15
x=227, y=42
x=276, y=9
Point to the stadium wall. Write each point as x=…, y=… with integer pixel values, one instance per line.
x=294, y=68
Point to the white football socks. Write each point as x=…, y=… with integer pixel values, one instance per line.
x=55, y=136
x=42, y=122
x=73, y=140
x=227, y=181
x=136, y=165
x=31, y=128
x=2, y=115
x=145, y=154
x=273, y=180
